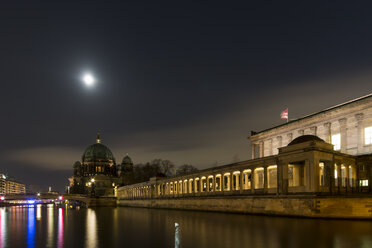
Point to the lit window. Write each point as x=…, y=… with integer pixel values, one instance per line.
x=368, y=135
x=321, y=174
x=363, y=183
x=336, y=141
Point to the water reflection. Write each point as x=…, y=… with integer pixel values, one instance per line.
x=131, y=227
x=177, y=235
x=91, y=229
x=60, y=227
x=38, y=211
x=2, y=228
x=31, y=226
x=50, y=224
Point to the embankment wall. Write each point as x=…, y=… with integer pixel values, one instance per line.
x=303, y=206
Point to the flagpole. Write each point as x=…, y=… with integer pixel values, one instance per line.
x=287, y=114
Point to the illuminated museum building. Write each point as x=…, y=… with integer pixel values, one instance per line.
x=329, y=152
x=98, y=174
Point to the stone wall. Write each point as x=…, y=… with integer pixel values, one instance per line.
x=303, y=206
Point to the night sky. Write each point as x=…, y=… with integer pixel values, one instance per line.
x=184, y=81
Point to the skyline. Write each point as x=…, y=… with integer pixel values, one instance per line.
x=180, y=82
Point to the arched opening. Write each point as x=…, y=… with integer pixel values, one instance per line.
x=247, y=179
x=236, y=180
x=197, y=185
x=203, y=184
x=191, y=185
x=210, y=184
x=218, y=182
x=226, y=181
x=185, y=186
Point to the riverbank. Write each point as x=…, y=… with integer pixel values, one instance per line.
x=345, y=207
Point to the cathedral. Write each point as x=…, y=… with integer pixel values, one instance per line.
x=97, y=174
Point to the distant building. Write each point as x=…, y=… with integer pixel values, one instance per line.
x=348, y=126
x=10, y=186
x=97, y=174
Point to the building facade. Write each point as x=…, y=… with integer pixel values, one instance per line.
x=329, y=152
x=347, y=126
x=10, y=186
x=97, y=174
x=307, y=166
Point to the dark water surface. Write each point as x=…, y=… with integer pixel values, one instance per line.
x=49, y=226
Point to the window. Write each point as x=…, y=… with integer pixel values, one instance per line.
x=363, y=183
x=336, y=175
x=336, y=141
x=368, y=135
x=321, y=174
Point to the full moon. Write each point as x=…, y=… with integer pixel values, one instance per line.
x=88, y=79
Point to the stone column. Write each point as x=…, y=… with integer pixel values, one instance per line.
x=252, y=150
x=262, y=151
x=313, y=130
x=327, y=132
x=222, y=182
x=280, y=141
x=207, y=181
x=282, y=178
x=265, y=180
x=241, y=181
x=359, y=117
x=331, y=176
x=339, y=177
x=270, y=141
x=347, y=178
x=252, y=181
x=214, y=184
x=231, y=181
x=343, y=134
x=369, y=176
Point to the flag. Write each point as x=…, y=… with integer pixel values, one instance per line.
x=284, y=114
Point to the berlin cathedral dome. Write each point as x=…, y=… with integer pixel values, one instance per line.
x=98, y=173
x=98, y=153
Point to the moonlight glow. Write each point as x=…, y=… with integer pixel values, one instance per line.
x=88, y=79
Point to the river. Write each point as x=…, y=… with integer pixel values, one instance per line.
x=50, y=226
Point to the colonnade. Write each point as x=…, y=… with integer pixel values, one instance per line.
x=259, y=180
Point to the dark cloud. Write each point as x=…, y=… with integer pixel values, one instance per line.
x=179, y=81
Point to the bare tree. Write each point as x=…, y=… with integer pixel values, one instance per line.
x=185, y=169
x=164, y=166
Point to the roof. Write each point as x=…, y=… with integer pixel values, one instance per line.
x=314, y=114
x=98, y=152
x=126, y=160
x=304, y=138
